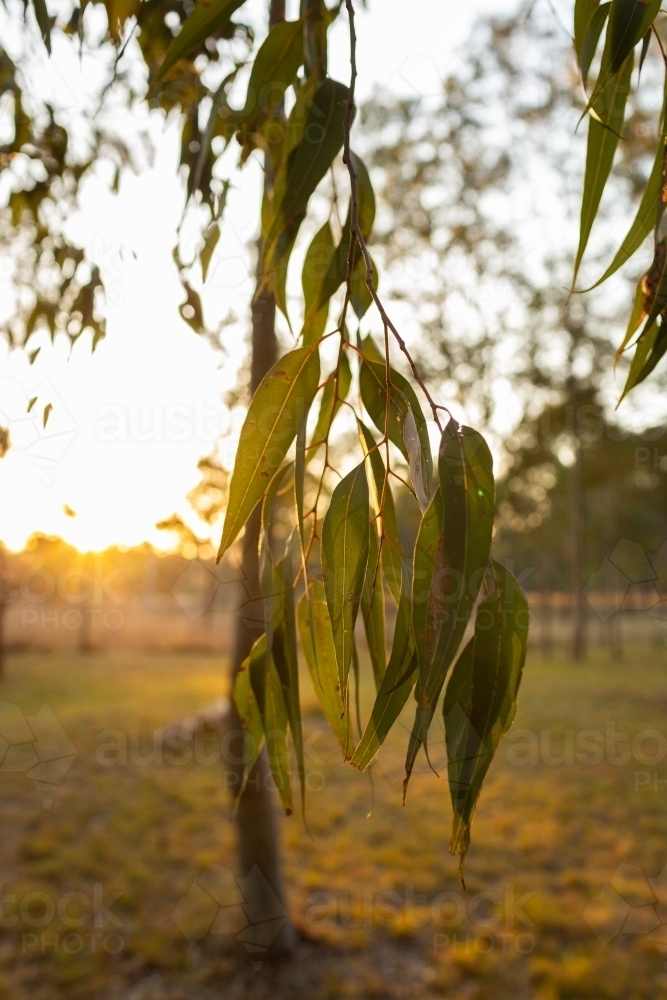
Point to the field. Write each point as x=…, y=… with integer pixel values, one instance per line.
x=565, y=898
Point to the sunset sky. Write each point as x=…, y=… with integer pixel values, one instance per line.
x=130, y=422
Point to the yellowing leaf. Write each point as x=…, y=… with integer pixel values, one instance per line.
x=281, y=402
x=318, y=647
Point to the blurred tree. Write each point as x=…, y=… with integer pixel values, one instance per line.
x=476, y=247
x=4, y=448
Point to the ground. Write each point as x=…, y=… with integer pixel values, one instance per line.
x=564, y=896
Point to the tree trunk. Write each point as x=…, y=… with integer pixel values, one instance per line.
x=3, y=608
x=258, y=840
x=578, y=516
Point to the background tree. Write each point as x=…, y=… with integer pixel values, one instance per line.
x=300, y=121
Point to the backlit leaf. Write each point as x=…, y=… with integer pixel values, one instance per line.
x=315, y=268
x=372, y=607
x=286, y=661
x=415, y=459
x=331, y=402
x=592, y=38
x=274, y=70
x=320, y=125
x=318, y=647
x=451, y=555
x=372, y=382
x=480, y=701
x=603, y=136
x=344, y=558
x=392, y=550
x=392, y=696
x=208, y=17
x=280, y=403
x=246, y=705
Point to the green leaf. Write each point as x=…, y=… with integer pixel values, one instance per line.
x=650, y=349
x=246, y=705
x=337, y=270
x=592, y=38
x=318, y=647
x=315, y=268
x=344, y=556
x=267, y=689
x=211, y=237
x=43, y=22
x=331, y=403
x=274, y=70
x=275, y=731
x=603, y=135
x=372, y=382
x=480, y=701
x=415, y=459
x=372, y=607
x=635, y=318
x=286, y=660
x=208, y=17
x=584, y=12
x=645, y=218
x=280, y=403
x=318, y=120
x=360, y=297
x=393, y=567
x=629, y=20
x=397, y=683
x=451, y=555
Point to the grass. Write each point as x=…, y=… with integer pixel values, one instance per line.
x=376, y=899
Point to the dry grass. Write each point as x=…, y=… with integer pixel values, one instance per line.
x=362, y=890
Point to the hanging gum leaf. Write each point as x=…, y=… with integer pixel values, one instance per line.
x=318, y=647
x=393, y=566
x=648, y=210
x=332, y=396
x=629, y=20
x=415, y=459
x=604, y=130
x=246, y=705
x=650, y=349
x=208, y=17
x=315, y=268
x=584, y=12
x=451, y=555
x=373, y=386
x=303, y=169
x=397, y=683
x=372, y=607
x=274, y=69
x=591, y=40
x=286, y=660
x=337, y=270
x=344, y=555
x=280, y=403
x=480, y=701
x=268, y=693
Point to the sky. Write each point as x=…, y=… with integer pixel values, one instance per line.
x=130, y=421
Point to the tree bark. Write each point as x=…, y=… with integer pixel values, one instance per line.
x=257, y=830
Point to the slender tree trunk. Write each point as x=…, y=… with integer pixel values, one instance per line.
x=256, y=817
x=578, y=516
x=3, y=608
